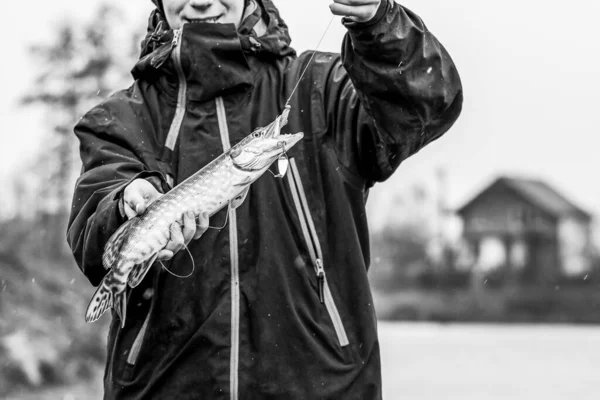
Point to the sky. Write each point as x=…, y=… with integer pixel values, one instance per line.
x=530, y=71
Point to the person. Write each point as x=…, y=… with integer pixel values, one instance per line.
x=277, y=304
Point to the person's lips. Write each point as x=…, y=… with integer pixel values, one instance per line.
x=210, y=20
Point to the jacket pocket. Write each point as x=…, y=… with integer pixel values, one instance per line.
x=131, y=340
x=310, y=235
x=134, y=351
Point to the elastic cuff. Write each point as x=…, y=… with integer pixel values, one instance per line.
x=381, y=11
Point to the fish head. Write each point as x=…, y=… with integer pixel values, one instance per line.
x=257, y=151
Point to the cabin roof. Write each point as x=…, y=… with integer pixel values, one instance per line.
x=536, y=192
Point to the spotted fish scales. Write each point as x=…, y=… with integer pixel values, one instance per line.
x=133, y=248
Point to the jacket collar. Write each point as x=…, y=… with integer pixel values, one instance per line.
x=214, y=56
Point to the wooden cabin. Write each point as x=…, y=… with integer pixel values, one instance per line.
x=528, y=228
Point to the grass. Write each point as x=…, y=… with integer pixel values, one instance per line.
x=554, y=304
x=44, y=340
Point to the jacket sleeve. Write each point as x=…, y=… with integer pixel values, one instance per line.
x=395, y=90
x=109, y=164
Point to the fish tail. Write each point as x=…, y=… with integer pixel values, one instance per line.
x=101, y=301
x=114, y=244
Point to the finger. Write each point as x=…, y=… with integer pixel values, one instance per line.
x=133, y=196
x=189, y=226
x=164, y=255
x=134, y=200
x=139, y=194
x=360, y=13
x=151, y=196
x=350, y=10
x=129, y=212
x=202, y=225
x=175, y=243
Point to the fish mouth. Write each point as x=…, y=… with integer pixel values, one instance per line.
x=285, y=139
x=284, y=143
x=270, y=145
x=288, y=140
x=274, y=128
x=257, y=158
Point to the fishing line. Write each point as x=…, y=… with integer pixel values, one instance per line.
x=190, y=253
x=310, y=60
x=181, y=276
x=226, y=218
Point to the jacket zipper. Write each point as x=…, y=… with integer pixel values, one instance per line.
x=181, y=94
x=224, y=132
x=235, y=285
x=135, y=349
x=235, y=274
x=314, y=248
x=134, y=352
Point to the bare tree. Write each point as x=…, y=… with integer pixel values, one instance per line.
x=83, y=63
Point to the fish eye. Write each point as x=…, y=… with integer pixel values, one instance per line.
x=256, y=134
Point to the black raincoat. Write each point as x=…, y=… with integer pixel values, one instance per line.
x=279, y=304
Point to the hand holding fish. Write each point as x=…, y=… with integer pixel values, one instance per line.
x=139, y=194
x=355, y=10
x=180, y=236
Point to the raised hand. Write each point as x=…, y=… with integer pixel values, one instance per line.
x=355, y=10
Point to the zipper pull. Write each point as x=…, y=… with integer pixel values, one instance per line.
x=163, y=53
x=176, y=37
x=321, y=280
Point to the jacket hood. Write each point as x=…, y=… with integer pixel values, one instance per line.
x=158, y=4
x=262, y=33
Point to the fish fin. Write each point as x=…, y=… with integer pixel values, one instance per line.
x=139, y=271
x=112, y=247
x=120, y=306
x=235, y=152
x=247, y=180
x=101, y=301
x=239, y=199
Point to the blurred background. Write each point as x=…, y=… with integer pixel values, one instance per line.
x=485, y=263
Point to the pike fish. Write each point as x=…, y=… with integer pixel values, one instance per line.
x=133, y=248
